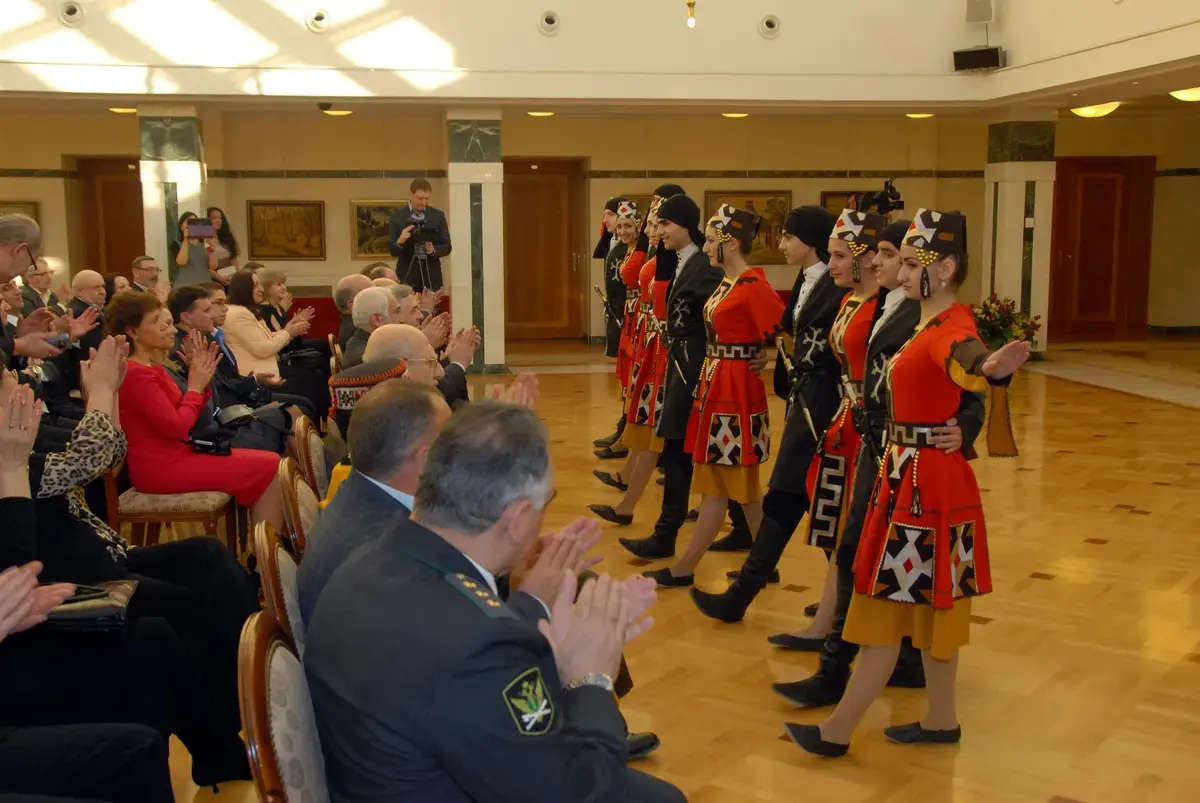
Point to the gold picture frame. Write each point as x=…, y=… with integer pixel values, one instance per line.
x=772, y=206
x=837, y=200
x=31, y=209
x=286, y=230
x=369, y=225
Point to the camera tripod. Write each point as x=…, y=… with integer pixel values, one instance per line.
x=420, y=261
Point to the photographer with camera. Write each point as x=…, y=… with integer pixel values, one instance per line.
x=418, y=237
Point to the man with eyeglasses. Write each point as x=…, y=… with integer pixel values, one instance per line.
x=36, y=293
x=145, y=272
x=20, y=246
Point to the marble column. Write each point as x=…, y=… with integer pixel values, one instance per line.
x=476, y=218
x=173, y=174
x=1018, y=214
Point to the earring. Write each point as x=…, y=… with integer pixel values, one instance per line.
x=925, y=289
x=721, y=253
x=856, y=270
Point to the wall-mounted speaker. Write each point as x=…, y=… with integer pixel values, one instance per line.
x=977, y=59
x=980, y=11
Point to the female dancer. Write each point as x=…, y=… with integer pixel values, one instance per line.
x=728, y=434
x=852, y=247
x=923, y=553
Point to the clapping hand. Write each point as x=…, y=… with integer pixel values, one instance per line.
x=77, y=327
x=202, y=367
x=523, y=391
x=1007, y=360
x=23, y=603
x=37, y=322
x=437, y=329
x=19, y=419
x=193, y=343
x=286, y=303
x=463, y=347
x=429, y=300
x=104, y=370
x=587, y=633
x=564, y=550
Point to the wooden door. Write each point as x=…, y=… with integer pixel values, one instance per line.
x=1100, y=270
x=543, y=278
x=113, y=227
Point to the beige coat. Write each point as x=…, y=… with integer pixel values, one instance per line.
x=253, y=344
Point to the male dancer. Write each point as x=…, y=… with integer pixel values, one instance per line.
x=896, y=318
x=811, y=388
x=612, y=251
x=692, y=280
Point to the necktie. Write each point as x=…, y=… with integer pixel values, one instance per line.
x=220, y=337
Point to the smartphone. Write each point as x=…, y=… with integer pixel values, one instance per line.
x=201, y=228
x=59, y=341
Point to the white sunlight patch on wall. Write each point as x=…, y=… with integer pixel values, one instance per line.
x=19, y=13
x=197, y=33
x=411, y=50
x=303, y=80
x=75, y=56
x=339, y=11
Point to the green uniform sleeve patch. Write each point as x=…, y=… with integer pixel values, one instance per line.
x=531, y=707
x=481, y=595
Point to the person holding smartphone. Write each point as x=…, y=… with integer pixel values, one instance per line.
x=195, y=259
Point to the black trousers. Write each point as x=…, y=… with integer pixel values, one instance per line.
x=205, y=595
x=677, y=483
x=114, y=763
x=782, y=512
x=643, y=788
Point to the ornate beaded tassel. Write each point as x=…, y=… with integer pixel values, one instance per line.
x=915, y=507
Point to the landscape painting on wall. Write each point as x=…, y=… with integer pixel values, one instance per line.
x=286, y=230
x=772, y=207
x=369, y=222
x=837, y=200
x=26, y=208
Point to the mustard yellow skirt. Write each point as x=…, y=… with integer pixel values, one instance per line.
x=640, y=436
x=739, y=483
x=882, y=623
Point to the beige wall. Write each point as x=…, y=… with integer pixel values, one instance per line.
x=414, y=139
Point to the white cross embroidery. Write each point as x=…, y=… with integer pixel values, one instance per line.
x=815, y=341
x=877, y=371
x=683, y=309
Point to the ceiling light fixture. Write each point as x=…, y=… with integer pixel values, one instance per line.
x=691, y=13
x=735, y=115
x=918, y=115
x=1187, y=95
x=1099, y=110
x=121, y=110
x=540, y=114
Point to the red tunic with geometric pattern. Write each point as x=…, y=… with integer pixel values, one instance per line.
x=630, y=271
x=729, y=424
x=831, y=473
x=645, y=315
x=924, y=540
x=646, y=390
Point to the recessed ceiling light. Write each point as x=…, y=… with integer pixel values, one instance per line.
x=919, y=116
x=1099, y=110
x=122, y=110
x=1187, y=95
x=337, y=112
x=735, y=115
x=540, y=114
x=533, y=167
x=1135, y=83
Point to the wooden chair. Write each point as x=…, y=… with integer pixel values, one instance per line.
x=147, y=513
x=300, y=506
x=277, y=568
x=277, y=716
x=310, y=454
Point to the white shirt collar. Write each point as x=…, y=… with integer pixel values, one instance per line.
x=686, y=253
x=488, y=577
x=893, y=299
x=399, y=496
x=811, y=274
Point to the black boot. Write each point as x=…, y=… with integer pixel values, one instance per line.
x=910, y=671
x=665, y=579
x=814, y=692
x=773, y=577
x=609, y=440
x=752, y=578
x=736, y=541
x=829, y=683
x=653, y=548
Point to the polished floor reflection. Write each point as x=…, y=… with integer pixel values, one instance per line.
x=1082, y=681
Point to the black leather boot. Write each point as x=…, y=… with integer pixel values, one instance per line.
x=752, y=578
x=609, y=440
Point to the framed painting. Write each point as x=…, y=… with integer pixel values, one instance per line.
x=772, y=207
x=27, y=208
x=286, y=230
x=837, y=200
x=369, y=222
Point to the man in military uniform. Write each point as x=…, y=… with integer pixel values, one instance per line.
x=427, y=687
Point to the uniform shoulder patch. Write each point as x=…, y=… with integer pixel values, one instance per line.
x=531, y=707
x=481, y=595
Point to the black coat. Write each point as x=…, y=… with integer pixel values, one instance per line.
x=30, y=301
x=614, y=290
x=408, y=270
x=427, y=687
x=686, y=295
x=356, y=346
x=815, y=380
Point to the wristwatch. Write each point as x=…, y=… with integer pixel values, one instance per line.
x=594, y=679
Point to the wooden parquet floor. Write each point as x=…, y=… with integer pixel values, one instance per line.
x=1082, y=681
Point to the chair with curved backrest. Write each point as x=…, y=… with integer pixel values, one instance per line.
x=311, y=456
x=277, y=568
x=300, y=506
x=277, y=716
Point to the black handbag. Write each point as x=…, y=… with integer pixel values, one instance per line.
x=303, y=358
x=212, y=440
x=94, y=614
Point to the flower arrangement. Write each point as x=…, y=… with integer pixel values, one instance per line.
x=999, y=322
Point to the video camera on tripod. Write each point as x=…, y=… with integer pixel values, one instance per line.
x=418, y=237
x=884, y=201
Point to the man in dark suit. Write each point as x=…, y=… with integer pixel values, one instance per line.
x=403, y=342
x=145, y=272
x=344, y=292
x=419, y=238
x=373, y=308
x=394, y=424
x=455, y=694
x=692, y=280
x=36, y=292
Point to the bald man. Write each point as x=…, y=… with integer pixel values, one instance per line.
x=397, y=341
x=344, y=292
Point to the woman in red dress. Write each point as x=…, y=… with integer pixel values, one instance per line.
x=852, y=247
x=158, y=419
x=728, y=433
x=923, y=553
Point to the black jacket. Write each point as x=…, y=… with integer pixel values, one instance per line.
x=356, y=346
x=427, y=687
x=436, y=231
x=687, y=293
x=30, y=301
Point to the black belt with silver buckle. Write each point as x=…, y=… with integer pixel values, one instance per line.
x=919, y=436
x=732, y=351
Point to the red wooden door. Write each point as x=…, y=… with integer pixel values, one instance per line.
x=1100, y=269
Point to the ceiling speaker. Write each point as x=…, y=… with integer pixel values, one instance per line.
x=980, y=11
